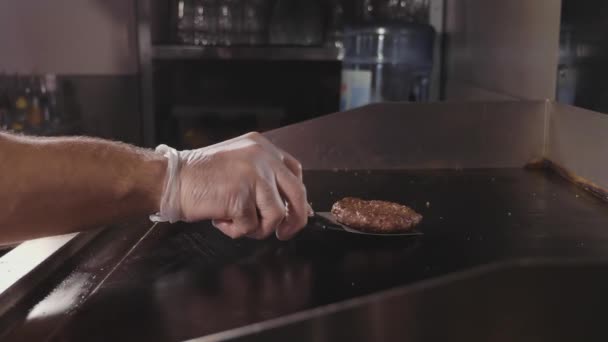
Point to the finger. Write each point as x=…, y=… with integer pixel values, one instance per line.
x=222, y=225
x=248, y=223
x=295, y=167
x=271, y=209
x=294, y=192
x=292, y=164
x=244, y=224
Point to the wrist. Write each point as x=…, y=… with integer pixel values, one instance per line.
x=156, y=171
x=169, y=206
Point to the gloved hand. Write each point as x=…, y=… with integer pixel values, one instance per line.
x=246, y=185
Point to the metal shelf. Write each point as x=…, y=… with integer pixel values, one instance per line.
x=268, y=53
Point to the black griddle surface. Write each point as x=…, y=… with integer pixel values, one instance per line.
x=4, y=250
x=188, y=280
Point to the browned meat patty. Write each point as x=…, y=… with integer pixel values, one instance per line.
x=375, y=216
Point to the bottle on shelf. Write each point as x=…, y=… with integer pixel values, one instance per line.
x=185, y=21
x=255, y=22
x=391, y=12
x=50, y=104
x=296, y=22
x=222, y=22
x=205, y=22
x=228, y=22
x=45, y=107
x=29, y=104
x=21, y=105
x=34, y=113
x=335, y=27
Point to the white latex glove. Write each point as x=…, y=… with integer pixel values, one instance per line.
x=246, y=185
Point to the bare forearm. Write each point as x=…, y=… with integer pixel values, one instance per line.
x=57, y=185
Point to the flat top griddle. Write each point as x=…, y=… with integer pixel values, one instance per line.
x=188, y=280
x=4, y=250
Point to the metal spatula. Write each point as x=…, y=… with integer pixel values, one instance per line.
x=326, y=220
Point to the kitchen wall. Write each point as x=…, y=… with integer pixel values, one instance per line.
x=92, y=37
x=91, y=45
x=501, y=50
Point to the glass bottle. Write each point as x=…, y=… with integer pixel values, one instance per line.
x=228, y=22
x=254, y=21
x=51, y=99
x=34, y=113
x=205, y=22
x=185, y=21
x=20, y=105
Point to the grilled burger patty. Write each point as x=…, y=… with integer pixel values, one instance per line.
x=375, y=216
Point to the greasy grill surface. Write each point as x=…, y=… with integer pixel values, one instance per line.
x=186, y=281
x=4, y=250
